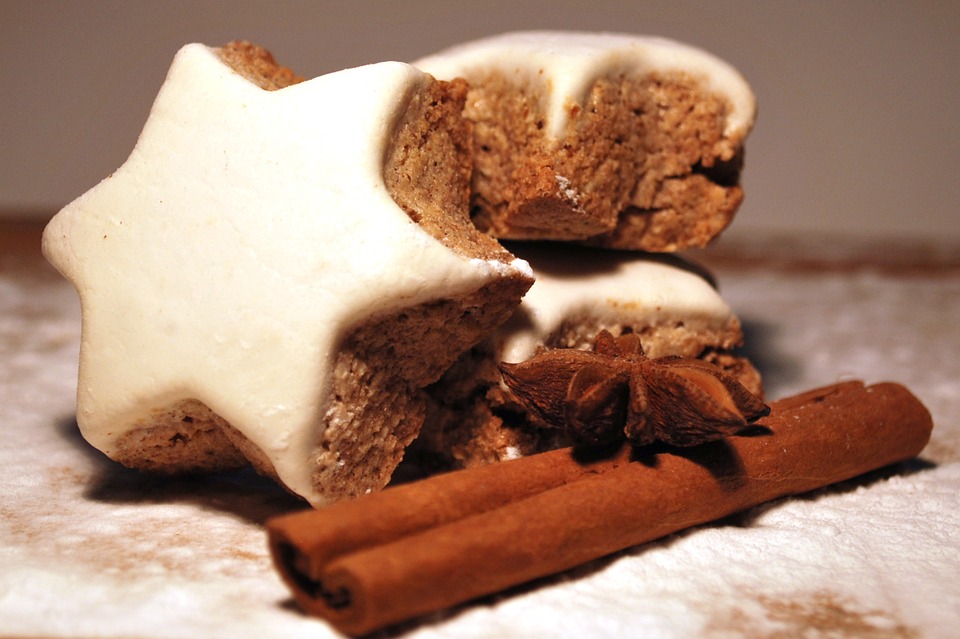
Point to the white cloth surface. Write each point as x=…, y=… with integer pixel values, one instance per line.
x=90, y=549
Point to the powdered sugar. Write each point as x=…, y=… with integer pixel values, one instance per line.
x=89, y=548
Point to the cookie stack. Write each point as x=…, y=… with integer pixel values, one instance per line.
x=597, y=156
x=308, y=275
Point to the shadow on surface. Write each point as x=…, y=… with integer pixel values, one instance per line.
x=777, y=369
x=244, y=493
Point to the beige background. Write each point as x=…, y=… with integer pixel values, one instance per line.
x=859, y=131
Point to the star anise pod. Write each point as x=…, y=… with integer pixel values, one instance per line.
x=616, y=391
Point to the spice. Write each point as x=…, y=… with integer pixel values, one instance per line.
x=416, y=548
x=616, y=391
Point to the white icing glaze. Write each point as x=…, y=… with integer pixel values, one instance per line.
x=567, y=64
x=613, y=289
x=247, y=231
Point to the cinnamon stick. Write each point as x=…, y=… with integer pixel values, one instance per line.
x=414, y=549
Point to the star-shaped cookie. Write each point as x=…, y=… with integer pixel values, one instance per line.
x=247, y=263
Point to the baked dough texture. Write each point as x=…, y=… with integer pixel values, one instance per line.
x=614, y=140
x=282, y=266
x=278, y=269
x=670, y=303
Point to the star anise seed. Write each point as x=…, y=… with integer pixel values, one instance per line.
x=596, y=403
x=540, y=383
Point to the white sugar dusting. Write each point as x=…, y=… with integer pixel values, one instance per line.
x=117, y=553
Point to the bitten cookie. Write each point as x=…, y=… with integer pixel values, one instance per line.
x=276, y=271
x=671, y=304
x=615, y=140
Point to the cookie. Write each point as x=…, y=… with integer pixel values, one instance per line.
x=276, y=271
x=614, y=140
x=671, y=304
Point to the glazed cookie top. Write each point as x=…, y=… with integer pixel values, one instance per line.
x=567, y=64
x=246, y=233
x=579, y=291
